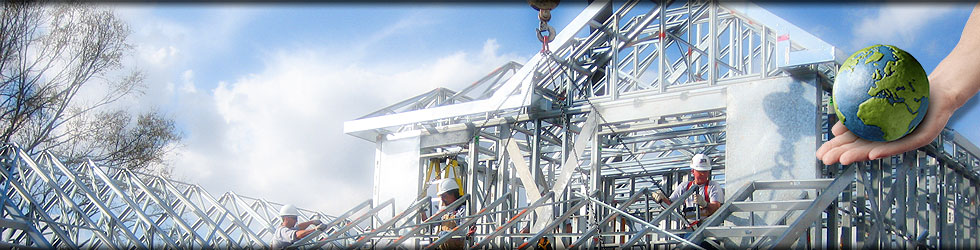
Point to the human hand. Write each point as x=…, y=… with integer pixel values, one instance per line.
x=951, y=84
x=316, y=222
x=699, y=200
x=657, y=196
x=847, y=148
x=471, y=231
x=321, y=227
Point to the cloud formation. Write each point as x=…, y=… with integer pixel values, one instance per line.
x=898, y=23
x=277, y=134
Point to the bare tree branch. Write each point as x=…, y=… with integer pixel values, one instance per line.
x=49, y=53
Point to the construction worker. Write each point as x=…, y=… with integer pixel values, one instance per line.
x=289, y=232
x=708, y=196
x=448, y=193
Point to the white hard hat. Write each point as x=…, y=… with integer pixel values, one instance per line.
x=700, y=162
x=288, y=210
x=446, y=185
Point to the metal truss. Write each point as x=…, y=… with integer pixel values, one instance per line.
x=569, y=145
x=566, y=148
x=648, y=48
x=47, y=204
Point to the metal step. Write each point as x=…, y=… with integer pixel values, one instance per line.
x=794, y=184
x=755, y=206
x=746, y=231
x=781, y=236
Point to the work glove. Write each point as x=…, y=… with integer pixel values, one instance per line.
x=657, y=196
x=472, y=231
x=699, y=200
x=322, y=227
x=316, y=222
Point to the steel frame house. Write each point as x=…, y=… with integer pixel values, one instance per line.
x=568, y=146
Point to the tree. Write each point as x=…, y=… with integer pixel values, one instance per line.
x=49, y=55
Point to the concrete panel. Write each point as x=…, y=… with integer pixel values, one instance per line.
x=397, y=172
x=772, y=132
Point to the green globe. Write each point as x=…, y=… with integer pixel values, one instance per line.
x=881, y=93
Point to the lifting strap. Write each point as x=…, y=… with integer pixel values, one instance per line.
x=707, y=198
x=434, y=166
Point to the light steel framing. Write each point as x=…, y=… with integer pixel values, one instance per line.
x=565, y=147
x=570, y=144
x=48, y=204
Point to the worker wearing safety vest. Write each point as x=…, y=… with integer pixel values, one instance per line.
x=708, y=196
x=289, y=231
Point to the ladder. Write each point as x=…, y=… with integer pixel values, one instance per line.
x=778, y=235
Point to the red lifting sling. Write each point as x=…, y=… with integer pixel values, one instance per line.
x=707, y=198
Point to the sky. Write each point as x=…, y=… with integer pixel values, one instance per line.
x=261, y=91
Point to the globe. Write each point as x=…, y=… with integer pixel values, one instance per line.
x=881, y=93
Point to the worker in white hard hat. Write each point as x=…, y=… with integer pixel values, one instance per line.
x=289, y=231
x=708, y=196
x=448, y=192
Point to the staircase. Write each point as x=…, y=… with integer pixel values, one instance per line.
x=779, y=235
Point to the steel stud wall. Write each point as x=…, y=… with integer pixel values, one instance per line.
x=567, y=146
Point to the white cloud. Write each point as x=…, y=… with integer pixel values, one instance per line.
x=158, y=56
x=454, y=71
x=402, y=26
x=898, y=23
x=164, y=49
x=188, y=79
x=277, y=134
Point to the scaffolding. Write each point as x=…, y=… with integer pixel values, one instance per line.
x=564, y=151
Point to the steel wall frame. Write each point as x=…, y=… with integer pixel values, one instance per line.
x=660, y=52
x=922, y=198
x=571, y=83
x=629, y=94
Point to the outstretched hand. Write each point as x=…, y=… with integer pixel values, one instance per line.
x=954, y=81
x=847, y=148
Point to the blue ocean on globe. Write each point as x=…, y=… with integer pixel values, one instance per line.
x=881, y=93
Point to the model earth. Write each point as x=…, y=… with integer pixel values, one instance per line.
x=881, y=93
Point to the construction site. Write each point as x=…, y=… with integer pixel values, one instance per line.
x=568, y=150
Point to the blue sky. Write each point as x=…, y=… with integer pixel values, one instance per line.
x=927, y=31
x=261, y=90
